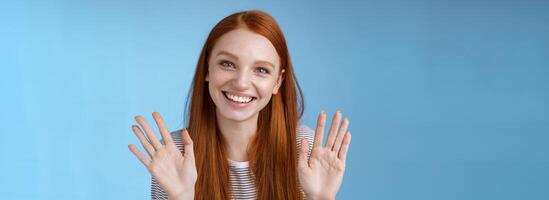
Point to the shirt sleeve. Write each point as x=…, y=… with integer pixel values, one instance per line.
x=156, y=191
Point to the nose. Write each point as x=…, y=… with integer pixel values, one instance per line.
x=242, y=81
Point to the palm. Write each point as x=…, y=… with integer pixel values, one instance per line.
x=324, y=173
x=321, y=174
x=170, y=168
x=174, y=171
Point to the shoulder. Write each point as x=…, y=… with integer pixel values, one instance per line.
x=176, y=134
x=177, y=138
x=303, y=131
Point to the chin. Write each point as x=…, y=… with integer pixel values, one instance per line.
x=238, y=116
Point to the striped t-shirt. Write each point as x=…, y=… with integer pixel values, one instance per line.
x=242, y=185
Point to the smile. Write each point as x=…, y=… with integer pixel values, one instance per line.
x=238, y=99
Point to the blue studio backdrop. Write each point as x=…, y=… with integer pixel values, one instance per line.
x=447, y=99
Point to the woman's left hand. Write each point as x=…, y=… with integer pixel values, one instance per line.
x=321, y=175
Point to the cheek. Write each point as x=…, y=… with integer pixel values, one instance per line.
x=265, y=88
x=212, y=89
x=217, y=78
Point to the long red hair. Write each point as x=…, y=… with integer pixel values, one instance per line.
x=273, y=152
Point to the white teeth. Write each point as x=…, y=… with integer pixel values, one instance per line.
x=239, y=99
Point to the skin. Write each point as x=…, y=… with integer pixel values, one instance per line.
x=243, y=63
x=321, y=175
x=175, y=173
x=246, y=63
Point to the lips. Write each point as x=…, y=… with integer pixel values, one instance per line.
x=238, y=98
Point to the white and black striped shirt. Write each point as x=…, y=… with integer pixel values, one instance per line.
x=242, y=184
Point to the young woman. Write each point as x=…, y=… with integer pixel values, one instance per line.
x=243, y=139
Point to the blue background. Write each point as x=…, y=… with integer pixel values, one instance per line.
x=447, y=99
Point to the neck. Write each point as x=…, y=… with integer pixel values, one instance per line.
x=237, y=135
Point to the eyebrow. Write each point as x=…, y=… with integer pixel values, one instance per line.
x=226, y=53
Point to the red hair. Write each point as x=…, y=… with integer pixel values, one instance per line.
x=273, y=152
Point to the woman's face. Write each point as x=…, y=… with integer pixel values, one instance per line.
x=243, y=74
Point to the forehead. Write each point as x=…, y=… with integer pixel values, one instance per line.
x=247, y=46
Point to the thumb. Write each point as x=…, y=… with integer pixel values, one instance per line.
x=303, y=159
x=187, y=144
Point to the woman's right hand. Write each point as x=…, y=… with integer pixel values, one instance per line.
x=175, y=172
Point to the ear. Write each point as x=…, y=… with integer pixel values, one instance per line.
x=279, y=82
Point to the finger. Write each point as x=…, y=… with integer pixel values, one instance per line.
x=164, y=132
x=345, y=147
x=340, y=134
x=333, y=130
x=319, y=130
x=146, y=144
x=187, y=144
x=303, y=161
x=139, y=155
x=317, y=143
x=150, y=133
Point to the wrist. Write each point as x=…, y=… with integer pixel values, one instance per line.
x=182, y=195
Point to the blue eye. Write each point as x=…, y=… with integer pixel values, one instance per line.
x=226, y=63
x=263, y=70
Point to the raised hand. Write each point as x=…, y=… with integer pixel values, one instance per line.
x=174, y=172
x=321, y=175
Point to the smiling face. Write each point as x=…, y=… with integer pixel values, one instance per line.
x=243, y=74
